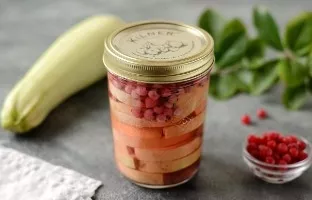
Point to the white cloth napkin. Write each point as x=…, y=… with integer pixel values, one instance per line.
x=27, y=178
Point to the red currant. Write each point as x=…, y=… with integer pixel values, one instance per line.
x=292, y=138
x=301, y=145
x=245, y=119
x=276, y=156
x=252, y=139
x=271, y=144
x=269, y=152
x=282, y=148
x=273, y=135
x=286, y=140
x=293, y=152
x=254, y=153
x=274, y=148
x=302, y=155
x=252, y=146
x=270, y=160
x=287, y=158
x=293, y=145
x=261, y=113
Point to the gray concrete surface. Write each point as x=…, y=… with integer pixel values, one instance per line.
x=77, y=134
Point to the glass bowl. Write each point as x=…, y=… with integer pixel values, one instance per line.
x=278, y=174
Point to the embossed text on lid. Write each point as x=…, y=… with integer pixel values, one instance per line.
x=158, y=52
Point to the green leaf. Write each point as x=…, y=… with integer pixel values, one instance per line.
x=294, y=98
x=267, y=27
x=298, y=35
x=212, y=22
x=264, y=77
x=292, y=73
x=309, y=63
x=232, y=45
x=309, y=85
x=254, y=54
x=255, y=49
x=245, y=76
x=223, y=86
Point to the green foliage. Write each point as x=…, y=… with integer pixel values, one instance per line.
x=298, y=34
x=267, y=27
x=241, y=65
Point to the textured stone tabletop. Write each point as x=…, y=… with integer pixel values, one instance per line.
x=77, y=134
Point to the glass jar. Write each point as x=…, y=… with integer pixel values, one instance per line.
x=158, y=79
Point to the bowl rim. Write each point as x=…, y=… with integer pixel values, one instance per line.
x=294, y=165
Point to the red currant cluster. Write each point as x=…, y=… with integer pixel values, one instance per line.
x=155, y=101
x=261, y=114
x=274, y=148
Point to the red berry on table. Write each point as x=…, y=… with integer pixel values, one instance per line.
x=282, y=148
x=270, y=160
x=272, y=144
x=301, y=145
x=302, y=155
x=293, y=152
x=287, y=158
x=245, y=119
x=261, y=113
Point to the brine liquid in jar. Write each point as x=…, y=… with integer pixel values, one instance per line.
x=158, y=120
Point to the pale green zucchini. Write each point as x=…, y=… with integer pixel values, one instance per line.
x=72, y=62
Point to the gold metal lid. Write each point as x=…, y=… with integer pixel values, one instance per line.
x=159, y=52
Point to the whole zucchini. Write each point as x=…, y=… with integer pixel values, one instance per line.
x=71, y=63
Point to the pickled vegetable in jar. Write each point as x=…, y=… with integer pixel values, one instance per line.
x=158, y=80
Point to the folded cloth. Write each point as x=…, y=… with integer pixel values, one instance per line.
x=23, y=177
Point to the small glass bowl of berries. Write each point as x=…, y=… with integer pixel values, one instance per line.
x=277, y=158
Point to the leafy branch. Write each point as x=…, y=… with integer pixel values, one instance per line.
x=241, y=62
